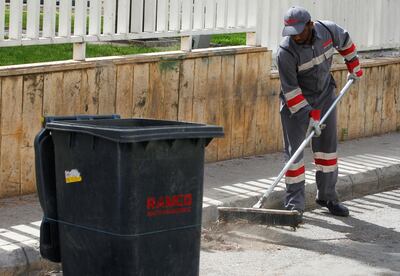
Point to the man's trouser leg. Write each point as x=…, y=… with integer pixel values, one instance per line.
x=325, y=155
x=294, y=130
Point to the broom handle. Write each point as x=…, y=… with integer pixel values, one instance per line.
x=302, y=146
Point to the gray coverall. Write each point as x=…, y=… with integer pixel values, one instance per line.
x=306, y=84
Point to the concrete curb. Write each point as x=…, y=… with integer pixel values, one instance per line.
x=25, y=260
x=348, y=187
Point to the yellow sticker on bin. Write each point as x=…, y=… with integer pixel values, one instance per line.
x=72, y=176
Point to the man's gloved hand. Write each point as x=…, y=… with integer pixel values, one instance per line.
x=355, y=71
x=315, y=117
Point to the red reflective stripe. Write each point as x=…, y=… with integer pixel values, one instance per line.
x=323, y=162
x=291, y=21
x=294, y=173
x=315, y=114
x=348, y=51
x=327, y=43
x=359, y=73
x=295, y=100
x=352, y=64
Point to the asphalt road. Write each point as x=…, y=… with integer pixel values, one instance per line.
x=366, y=243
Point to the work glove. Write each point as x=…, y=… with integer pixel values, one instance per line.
x=355, y=71
x=315, y=117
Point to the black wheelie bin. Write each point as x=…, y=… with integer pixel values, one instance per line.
x=121, y=196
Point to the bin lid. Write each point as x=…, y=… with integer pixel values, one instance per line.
x=138, y=130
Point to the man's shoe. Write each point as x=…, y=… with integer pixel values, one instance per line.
x=321, y=203
x=334, y=207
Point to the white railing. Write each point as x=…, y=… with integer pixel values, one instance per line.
x=80, y=21
x=372, y=23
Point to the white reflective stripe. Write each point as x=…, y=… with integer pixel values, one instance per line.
x=290, y=95
x=297, y=165
x=298, y=106
x=329, y=53
x=293, y=180
x=325, y=156
x=350, y=56
x=356, y=69
x=348, y=45
x=317, y=60
x=326, y=169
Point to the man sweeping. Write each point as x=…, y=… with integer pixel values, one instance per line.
x=304, y=60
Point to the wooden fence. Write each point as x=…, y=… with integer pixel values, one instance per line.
x=232, y=87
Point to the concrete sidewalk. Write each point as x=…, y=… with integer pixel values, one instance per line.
x=366, y=166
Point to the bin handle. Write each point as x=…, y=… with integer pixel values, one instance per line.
x=45, y=173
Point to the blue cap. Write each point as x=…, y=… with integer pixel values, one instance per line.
x=295, y=20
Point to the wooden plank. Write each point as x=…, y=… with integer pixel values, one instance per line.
x=170, y=79
x=52, y=92
x=361, y=96
x=212, y=103
x=141, y=77
x=226, y=103
x=89, y=95
x=11, y=122
x=70, y=99
x=156, y=92
x=385, y=75
x=352, y=110
x=186, y=85
x=393, y=105
x=388, y=100
x=264, y=84
x=342, y=108
x=200, y=90
x=250, y=90
x=397, y=85
x=106, y=85
x=10, y=165
x=28, y=181
x=32, y=108
x=393, y=87
x=11, y=105
x=238, y=106
x=124, y=91
x=370, y=100
x=379, y=101
x=273, y=118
